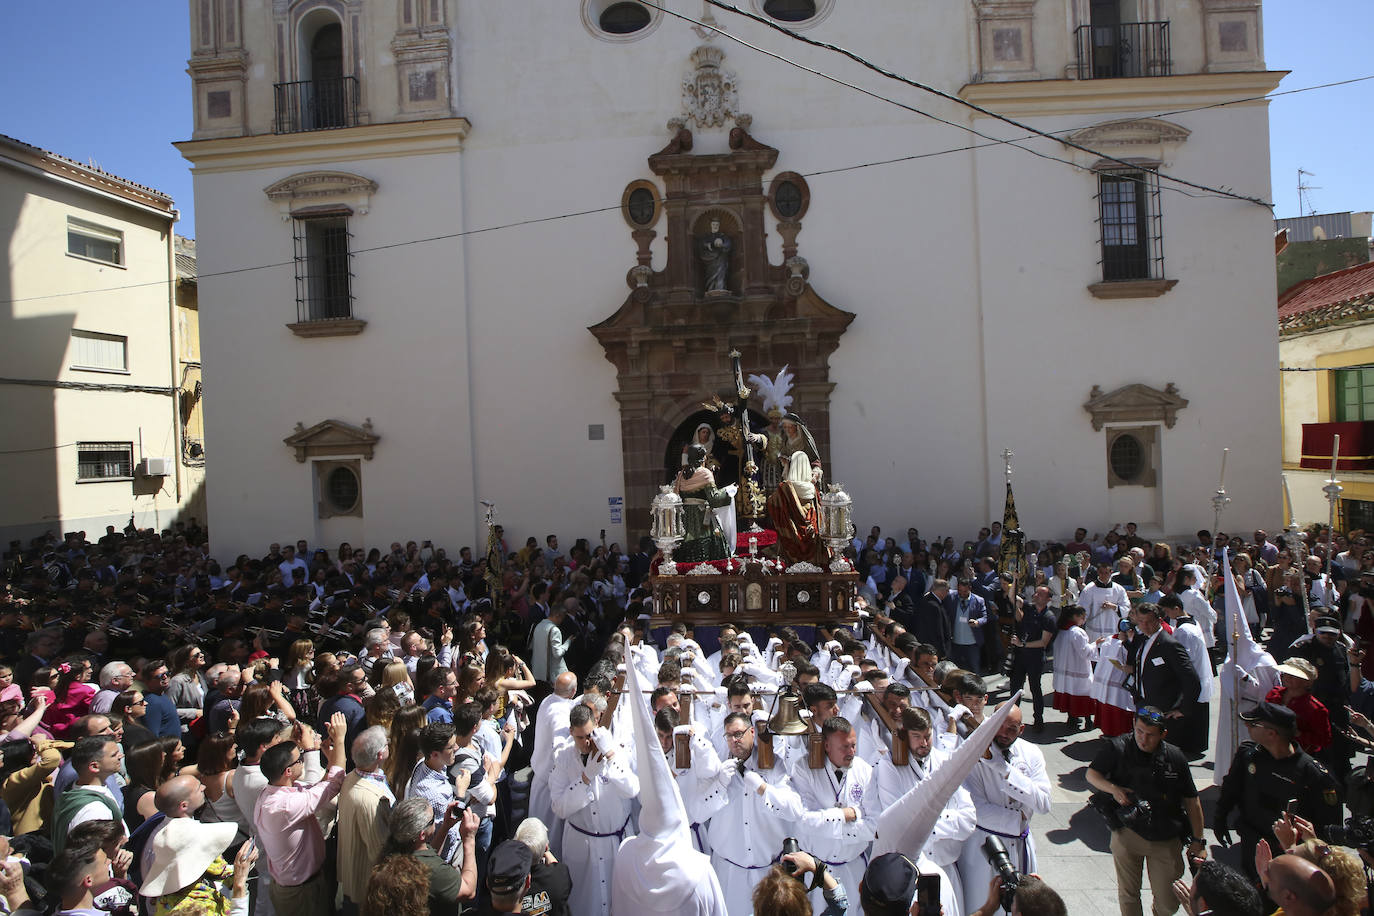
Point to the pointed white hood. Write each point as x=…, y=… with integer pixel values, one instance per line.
x=907, y=823
x=659, y=871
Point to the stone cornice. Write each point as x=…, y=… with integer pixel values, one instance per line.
x=371, y=141
x=1077, y=97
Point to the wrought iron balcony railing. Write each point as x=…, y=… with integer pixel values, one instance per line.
x=1123, y=50
x=323, y=104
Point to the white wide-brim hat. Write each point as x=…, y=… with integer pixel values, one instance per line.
x=182, y=850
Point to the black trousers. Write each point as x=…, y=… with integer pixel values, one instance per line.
x=1029, y=664
x=1189, y=734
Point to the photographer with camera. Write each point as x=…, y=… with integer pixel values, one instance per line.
x=783, y=891
x=1153, y=810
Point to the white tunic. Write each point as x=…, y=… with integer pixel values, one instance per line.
x=1102, y=620
x=551, y=730
x=1073, y=663
x=597, y=818
x=1255, y=683
x=703, y=786
x=746, y=834
x=828, y=836
x=956, y=822
x=1006, y=793
x=1108, y=680
x=1196, y=606
x=1190, y=637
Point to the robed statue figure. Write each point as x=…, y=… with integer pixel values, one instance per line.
x=794, y=512
x=713, y=249
x=704, y=539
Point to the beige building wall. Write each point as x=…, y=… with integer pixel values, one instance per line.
x=89, y=350
x=1308, y=397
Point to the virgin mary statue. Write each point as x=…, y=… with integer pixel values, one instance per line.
x=793, y=509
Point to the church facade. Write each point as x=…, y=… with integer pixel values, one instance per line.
x=454, y=251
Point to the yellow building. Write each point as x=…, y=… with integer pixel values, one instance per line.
x=1326, y=352
x=97, y=352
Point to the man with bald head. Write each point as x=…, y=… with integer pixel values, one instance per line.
x=1008, y=785
x=180, y=796
x=1297, y=886
x=551, y=730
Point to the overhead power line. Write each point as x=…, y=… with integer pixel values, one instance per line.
x=913, y=157
x=940, y=93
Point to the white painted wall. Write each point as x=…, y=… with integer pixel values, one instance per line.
x=967, y=273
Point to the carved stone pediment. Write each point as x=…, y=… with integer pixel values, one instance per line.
x=1131, y=132
x=310, y=190
x=1134, y=404
x=332, y=438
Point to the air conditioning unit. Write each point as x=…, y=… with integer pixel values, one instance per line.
x=155, y=467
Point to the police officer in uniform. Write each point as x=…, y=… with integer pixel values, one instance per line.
x=1142, y=766
x=1034, y=629
x=1269, y=771
x=1326, y=650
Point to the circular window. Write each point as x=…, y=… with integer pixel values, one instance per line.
x=1127, y=457
x=641, y=206
x=624, y=18
x=341, y=489
x=788, y=199
x=790, y=10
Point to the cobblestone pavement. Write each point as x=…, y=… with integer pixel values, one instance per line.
x=1071, y=842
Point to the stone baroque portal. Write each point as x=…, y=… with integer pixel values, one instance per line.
x=670, y=342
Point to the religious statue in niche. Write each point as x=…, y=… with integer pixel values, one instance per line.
x=713, y=250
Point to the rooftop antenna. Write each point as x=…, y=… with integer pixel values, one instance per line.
x=1305, y=207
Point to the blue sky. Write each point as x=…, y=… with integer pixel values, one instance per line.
x=120, y=94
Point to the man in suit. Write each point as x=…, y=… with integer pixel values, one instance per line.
x=930, y=621
x=1164, y=675
x=966, y=623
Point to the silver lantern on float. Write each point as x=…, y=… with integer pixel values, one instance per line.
x=667, y=528
x=836, y=521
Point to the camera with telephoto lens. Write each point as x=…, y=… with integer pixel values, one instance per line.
x=789, y=847
x=1357, y=833
x=1007, y=875
x=1135, y=816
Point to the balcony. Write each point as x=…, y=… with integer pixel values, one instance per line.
x=1124, y=50
x=323, y=104
x=1357, y=445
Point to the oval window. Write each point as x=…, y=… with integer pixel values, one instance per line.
x=624, y=18
x=341, y=489
x=641, y=206
x=788, y=199
x=1127, y=457
x=790, y=10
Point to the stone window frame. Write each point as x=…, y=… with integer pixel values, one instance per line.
x=313, y=195
x=637, y=185
x=322, y=469
x=1148, y=437
x=591, y=21
x=823, y=10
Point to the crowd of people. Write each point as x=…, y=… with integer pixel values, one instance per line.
x=322, y=730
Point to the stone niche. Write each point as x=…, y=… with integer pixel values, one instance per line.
x=670, y=341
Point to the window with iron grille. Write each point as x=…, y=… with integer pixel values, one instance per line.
x=1131, y=225
x=104, y=460
x=324, y=287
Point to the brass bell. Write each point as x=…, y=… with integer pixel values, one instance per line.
x=785, y=720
